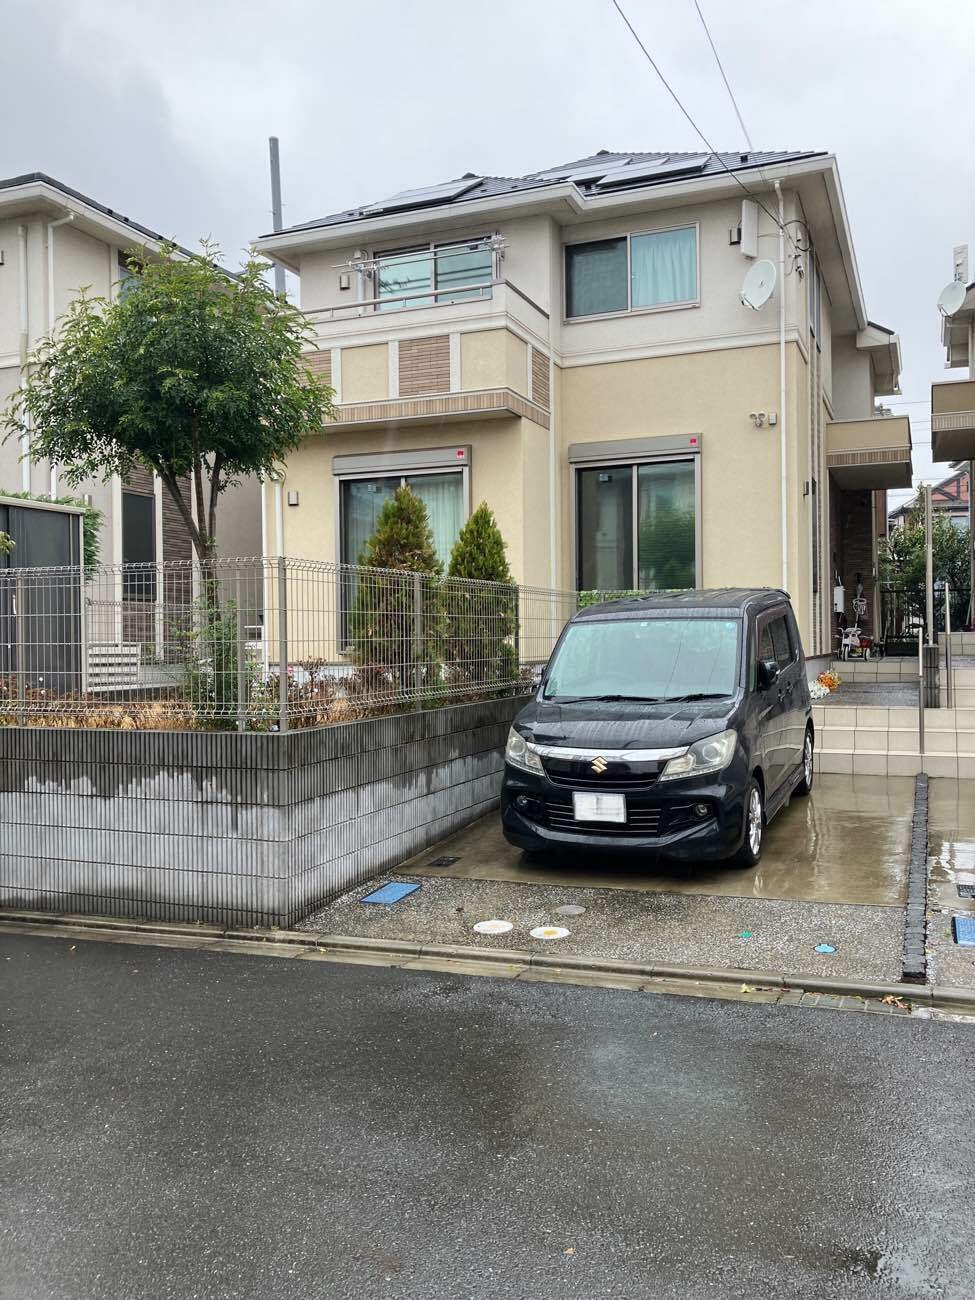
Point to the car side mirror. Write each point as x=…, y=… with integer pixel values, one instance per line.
x=768, y=673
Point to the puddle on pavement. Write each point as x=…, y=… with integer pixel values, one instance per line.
x=848, y=843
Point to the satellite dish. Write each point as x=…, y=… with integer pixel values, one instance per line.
x=951, y=298
x=758, y=284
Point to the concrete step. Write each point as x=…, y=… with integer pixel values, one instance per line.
x=881, y=763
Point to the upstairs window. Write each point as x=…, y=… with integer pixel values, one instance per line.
x=631, y=273
x=426, y=274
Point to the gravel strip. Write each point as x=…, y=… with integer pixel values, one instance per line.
x=687, y=929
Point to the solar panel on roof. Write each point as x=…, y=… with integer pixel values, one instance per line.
x=429, y=194
x=653, y=168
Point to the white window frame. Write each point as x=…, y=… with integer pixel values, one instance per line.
x=630, y=310
x=633, y=462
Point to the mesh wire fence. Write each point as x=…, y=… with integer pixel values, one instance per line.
x=260, y=644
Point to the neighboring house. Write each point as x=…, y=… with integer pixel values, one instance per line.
x=950, y=498
x=571, y=347
x=54, y=242
x=953, y=400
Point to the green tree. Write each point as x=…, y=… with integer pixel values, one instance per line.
x=481, y=612
x=901, y=563
x=395, y=624
x=6, y=545
x=193, y=373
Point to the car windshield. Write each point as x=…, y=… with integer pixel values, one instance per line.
x=654, y=658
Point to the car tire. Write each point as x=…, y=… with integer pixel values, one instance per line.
x=750, y=853
x=806, y=784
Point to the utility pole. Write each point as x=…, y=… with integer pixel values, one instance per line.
x=276, y=220
x=928, y=564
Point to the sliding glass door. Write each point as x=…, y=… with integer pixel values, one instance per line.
x=636, y=526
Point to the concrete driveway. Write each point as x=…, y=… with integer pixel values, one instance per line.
x=827, y=899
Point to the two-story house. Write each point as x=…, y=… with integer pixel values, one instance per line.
x=573, y=347
x=53, y=243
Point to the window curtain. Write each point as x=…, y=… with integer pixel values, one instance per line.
x=663, y=267
x=595, y=277
x=443, y=496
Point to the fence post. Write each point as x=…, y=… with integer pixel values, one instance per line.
x=920, y=689
x=948, y=685
x=417, y=635
x=241, y=657
x=20, y=614
x=282, y=643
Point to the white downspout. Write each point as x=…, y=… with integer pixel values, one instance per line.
x=24, y=347
x=783, y=445
x=51, y=306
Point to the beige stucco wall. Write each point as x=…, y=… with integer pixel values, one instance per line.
x=852, y=395
x=710, y=394
x=493, y=359
x=504, y=456
x=482, y=359
x=365, y=373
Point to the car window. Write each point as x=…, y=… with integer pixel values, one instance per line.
x=782, y=646
x=765, y=647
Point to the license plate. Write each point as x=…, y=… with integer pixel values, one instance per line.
x=598, y=807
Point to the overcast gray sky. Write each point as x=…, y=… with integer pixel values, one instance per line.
x=162, y=108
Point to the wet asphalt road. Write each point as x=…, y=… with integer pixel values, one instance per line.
x=185, y=1124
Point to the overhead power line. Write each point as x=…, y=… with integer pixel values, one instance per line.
x=707, y=143
x=724, y=77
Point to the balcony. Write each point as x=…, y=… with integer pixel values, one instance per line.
x=871, y=454
x=953, y=420
x=467, y=352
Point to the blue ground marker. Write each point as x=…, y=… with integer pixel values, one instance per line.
x=964, y=927
x=391, y=893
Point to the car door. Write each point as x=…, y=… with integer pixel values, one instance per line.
x=785, y=641
x=771, y=708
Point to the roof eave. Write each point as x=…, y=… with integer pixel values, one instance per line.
x=287, y=246
x=44, y=194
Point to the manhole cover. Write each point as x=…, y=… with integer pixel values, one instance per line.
x=391, y=893
x=966, y=891
x=445, y=861
x=493, y=927
x=570, y=909
x=549, y=932
x=964, y=928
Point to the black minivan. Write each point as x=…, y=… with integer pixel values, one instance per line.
x=676, y=724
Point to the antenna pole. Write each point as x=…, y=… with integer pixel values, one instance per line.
x=276, y=220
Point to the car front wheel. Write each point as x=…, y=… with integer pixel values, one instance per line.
x=750, y=852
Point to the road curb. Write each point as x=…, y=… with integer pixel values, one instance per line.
x=957, y=999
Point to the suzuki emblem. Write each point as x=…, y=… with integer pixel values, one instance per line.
x=599, y=765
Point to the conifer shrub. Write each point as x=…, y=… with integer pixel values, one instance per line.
x=480, y=615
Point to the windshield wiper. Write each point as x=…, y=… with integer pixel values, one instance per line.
x=603, y=699
x=696, y=695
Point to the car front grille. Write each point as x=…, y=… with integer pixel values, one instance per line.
x=639, y=821
x=580, y=776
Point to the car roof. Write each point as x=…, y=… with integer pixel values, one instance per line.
x=690, y=604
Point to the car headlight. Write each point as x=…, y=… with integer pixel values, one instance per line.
x=519, y=753
x=713, y=754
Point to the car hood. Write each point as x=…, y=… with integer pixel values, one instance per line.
x=624, y=725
